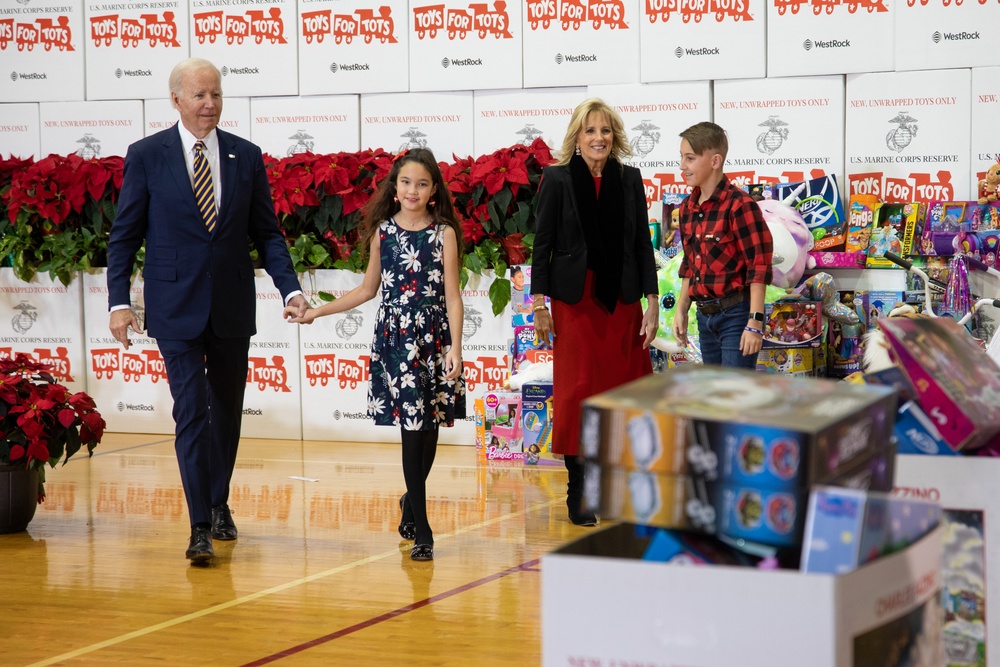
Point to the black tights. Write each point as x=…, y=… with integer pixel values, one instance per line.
x=419, y=448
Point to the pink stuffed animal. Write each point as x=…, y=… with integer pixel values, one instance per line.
x=792, y=242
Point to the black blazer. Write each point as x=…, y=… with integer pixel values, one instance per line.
x=559, y=256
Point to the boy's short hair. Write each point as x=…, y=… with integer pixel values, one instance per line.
x=707, y=136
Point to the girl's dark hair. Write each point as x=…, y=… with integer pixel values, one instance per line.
x=383, y=206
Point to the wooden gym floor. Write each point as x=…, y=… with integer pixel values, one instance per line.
x=319, y=575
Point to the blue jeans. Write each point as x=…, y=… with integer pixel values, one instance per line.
x=719, y=335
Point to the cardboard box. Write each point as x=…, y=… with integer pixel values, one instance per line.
x=957, y=383
x=793, y=323
x=701, y=421
x=536, y=414
x=801, y=361
x=603, y=606
x=502, y=431
x=966, y=487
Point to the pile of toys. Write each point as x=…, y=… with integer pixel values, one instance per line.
x=515, y=424
x=724, y=461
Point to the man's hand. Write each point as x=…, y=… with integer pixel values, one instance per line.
x=121, y=320
x=296, y=307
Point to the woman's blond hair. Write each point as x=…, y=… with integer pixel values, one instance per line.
x=619, y=144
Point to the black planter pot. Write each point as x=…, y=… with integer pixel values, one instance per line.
x=18, y=497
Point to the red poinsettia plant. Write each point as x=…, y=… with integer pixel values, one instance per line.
x=58, y=213
x=41, y=421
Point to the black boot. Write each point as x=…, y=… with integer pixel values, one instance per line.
x=574, y=493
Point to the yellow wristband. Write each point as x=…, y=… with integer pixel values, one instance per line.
x=537, y=308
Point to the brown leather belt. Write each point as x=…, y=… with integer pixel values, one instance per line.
x=713, y=306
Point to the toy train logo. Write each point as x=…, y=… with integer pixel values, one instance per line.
x=571, y=14
x=155, y=29
x=363, y=23
x=254, y=24
x=428, y=20
x=696, y=10
x=48, y=33
x=821, y=6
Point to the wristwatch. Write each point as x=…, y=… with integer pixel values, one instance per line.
x=758, y=316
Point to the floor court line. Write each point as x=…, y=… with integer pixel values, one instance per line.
x=280, y=588
x=529, y=566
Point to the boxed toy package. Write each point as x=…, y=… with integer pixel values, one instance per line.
x=521, y=299
x=822, y=209
x=536, y=411
x=847, y=528
x=896, y=227
x=502, y=434
x=793, y=324
x=846, y=347
x=671, y=232
x=527, y=348
x=955, y=380
x=860, y=222
x=802, y=361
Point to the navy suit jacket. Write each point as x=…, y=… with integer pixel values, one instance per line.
x=191, y=275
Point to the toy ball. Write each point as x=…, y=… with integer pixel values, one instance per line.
x=792, y=242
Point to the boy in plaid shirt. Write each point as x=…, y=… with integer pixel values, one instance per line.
x=727, y=255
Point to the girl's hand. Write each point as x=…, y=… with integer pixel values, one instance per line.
x=453, y=364
x=291, y=314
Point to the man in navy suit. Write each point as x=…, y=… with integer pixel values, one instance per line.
x=200, y=297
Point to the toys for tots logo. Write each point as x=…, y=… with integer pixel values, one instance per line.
x=736, y=10
x=49, y=33
x=363, y=23
x=571, y=14
x=155, y=29
x=828, y=6
x=255, y=23
x=477, y=17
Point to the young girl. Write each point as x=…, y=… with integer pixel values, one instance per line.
x=414, y=238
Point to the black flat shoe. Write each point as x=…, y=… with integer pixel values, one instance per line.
x=200, y=547
x=407, y=529
x=583, y=518
x=422, y=552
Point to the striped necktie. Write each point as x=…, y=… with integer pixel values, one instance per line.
x=204, y=194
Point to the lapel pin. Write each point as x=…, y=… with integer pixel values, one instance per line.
x=231, y=155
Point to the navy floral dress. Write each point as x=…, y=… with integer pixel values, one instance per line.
x=408, y=386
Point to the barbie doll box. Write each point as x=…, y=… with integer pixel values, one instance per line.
x=742, y=427
x=500, y=431
x=603, y=605
x=956, y=382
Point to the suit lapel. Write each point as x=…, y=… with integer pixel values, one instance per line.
x=173, y=157
x=229, y=161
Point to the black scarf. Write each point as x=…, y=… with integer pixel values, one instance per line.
x=603, y=221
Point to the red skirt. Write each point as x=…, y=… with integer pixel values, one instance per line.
x=593, y=351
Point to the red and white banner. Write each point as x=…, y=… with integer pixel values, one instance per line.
x=161, y=114
x=90, y=129
x=808, y=37
x=946, y=33
x=252, y=42
x=44, y=319
x=442, y=122
x=458, y=44
x=908, y=135
x=131, y=47
x=353, y=46
x=42, y=51
x=272, y=406
x=582, y=42
x=285, y=126
x=507, y=117
x=20, y=131
x=654, y=115
x=687, y=41
x=782, y=130
x=129, y=386
x=985, y=128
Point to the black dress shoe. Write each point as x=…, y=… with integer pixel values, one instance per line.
x=200, y=547
x=223, y=527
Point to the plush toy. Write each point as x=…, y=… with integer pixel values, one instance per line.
x=792, y=241
x=989, y=187
x=669, y=286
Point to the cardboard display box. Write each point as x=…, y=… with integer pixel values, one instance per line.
x=602, y=605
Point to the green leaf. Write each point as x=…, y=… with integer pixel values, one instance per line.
x=499, y=295
x=326, y=296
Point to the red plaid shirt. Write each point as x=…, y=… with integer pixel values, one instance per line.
x=727, y=245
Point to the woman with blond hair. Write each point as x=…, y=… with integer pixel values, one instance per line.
x=593, y=258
